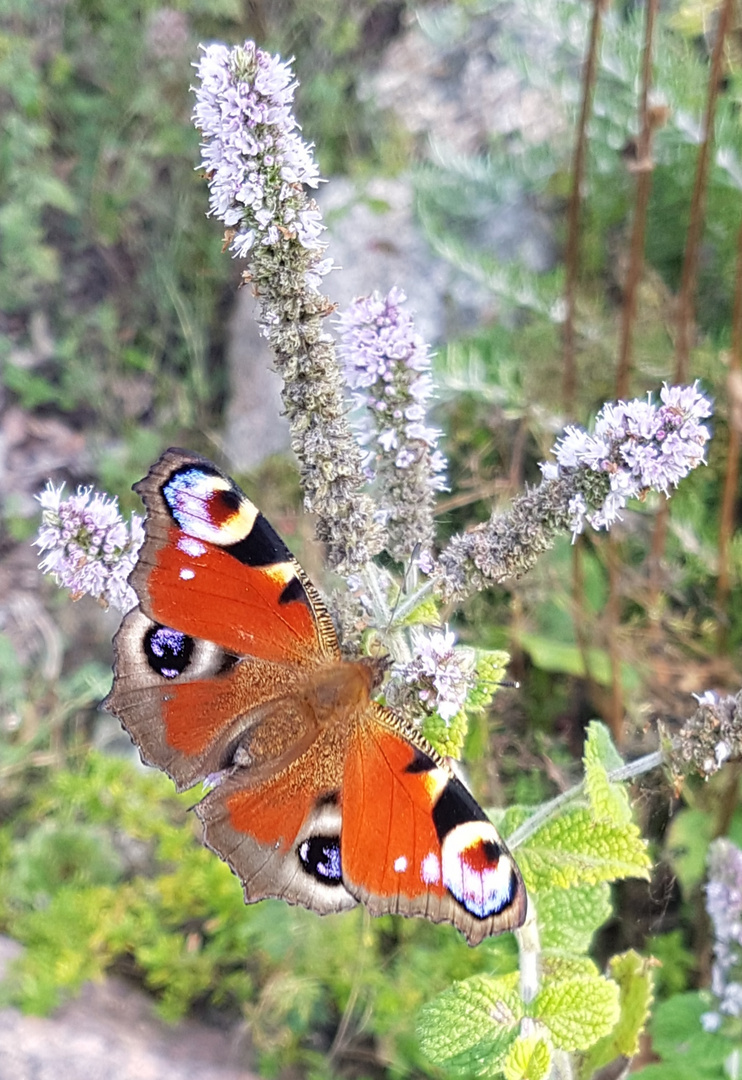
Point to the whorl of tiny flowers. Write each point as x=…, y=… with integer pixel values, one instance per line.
x=441, y=674
x=636, y=446
x=639, y=446
x=387, y=365
x=89, y=547
x=724, y=906
x=257, y=165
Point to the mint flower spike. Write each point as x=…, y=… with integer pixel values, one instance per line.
x=442, y=674
x=637, y=446
x=255, y=160
x=257, y=165
x=724, y=906
x=387, y=365
x=89, y=547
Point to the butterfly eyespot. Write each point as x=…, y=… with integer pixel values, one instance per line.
x=476, y=870
x=320, y=857
x=168, y=651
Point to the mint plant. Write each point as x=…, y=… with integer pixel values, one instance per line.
x=549, y=1010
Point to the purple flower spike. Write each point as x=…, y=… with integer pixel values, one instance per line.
x=724, y=906
x=255, y=160
x=638, y=447
x=387, y=365
x=89, y=547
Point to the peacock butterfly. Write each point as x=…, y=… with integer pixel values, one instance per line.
x=230, y=671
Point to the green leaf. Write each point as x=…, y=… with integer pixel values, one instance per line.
x=447, y=736
x=633, y=973
x=550, y=654
x=425, y=613
x=574, y=849
x=578, y=1010
x=609, y=801
x=470, y=1027
x=528, y=1058
x=677, y=1070
x=678, y=1035
x=568, y=918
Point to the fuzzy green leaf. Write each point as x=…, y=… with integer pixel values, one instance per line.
x=633, y=974
x=491, y=666
x=574, y=849
x=568, y=918
x=470, y=1027
x=528, y=1058
x=426, y=613
x=609, y=801
x=578, y=1010
x=447, y=736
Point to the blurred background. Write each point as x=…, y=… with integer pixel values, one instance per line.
x=556, y=184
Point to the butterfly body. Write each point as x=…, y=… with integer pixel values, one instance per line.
x=230, y=671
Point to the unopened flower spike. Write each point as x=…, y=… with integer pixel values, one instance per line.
x=387, y=365
x=88, y=546
x=636, y=447
x=257, y=166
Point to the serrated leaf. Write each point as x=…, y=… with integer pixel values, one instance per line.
x=574, y=849
x=577, y=1011
x=447, y=737
x=609, y=801
x=568, y=918
x=470, y=1027
x=528, y=1059
x=633, y=974
x=490, y=666
x=557, y=966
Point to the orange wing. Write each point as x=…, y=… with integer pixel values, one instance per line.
x=213, y=568
x=227, y=625
x=415, y=841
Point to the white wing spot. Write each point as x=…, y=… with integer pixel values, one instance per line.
x=430, y=871
x=187, y=574
x=400, y=864
x=191, y=546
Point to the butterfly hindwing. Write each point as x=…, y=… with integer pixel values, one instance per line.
x=281, y=834
x=416, y=842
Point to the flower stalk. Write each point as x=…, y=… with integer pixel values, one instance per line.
x=257, y=166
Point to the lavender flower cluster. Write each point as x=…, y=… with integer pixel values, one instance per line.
x=637, y=446
x=90, y=548
x=387, y=365
x=440, y=673
x=724, y=906
x=255, y=160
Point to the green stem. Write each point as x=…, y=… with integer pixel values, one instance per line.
x=550, y=809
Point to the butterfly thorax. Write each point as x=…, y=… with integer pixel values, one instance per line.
x=340, y=688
